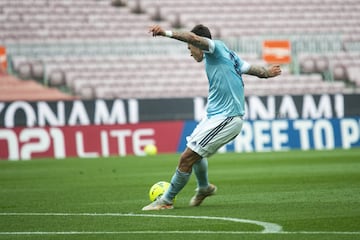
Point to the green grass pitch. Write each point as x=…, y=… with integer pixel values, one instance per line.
x=309, y=194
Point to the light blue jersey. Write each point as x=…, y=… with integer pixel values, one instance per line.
x=226, y=86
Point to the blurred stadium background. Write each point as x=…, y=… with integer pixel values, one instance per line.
x=101, y=49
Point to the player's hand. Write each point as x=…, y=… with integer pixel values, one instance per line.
x=274, y=70
x=156, y=30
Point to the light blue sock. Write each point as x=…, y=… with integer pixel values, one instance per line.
x=178, y=181
x=201, y=172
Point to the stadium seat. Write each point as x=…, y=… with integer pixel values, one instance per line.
x=93, y=48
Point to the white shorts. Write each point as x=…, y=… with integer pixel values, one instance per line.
x=213, y=133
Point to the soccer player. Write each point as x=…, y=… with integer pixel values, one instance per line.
x=225, y=110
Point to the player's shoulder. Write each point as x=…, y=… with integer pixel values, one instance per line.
x=216, y=48
x=216, y=44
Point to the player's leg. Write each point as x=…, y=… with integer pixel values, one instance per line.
x=200, y=169
x=204, y=188
x=207, y=138
x=182, y=173
x=220, y=132
x=178, y=181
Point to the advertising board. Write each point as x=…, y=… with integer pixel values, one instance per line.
x=23, y=143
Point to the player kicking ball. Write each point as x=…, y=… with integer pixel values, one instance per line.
x=225, y=110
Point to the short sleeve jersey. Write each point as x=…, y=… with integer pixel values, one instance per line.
x=226, y=86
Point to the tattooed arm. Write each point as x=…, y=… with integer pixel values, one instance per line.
x=183, y=36
x=203, y=44
x=263, y=72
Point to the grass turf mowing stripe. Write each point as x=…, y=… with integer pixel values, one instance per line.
x=177, y=232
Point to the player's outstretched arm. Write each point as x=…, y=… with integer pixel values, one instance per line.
x=183, y=36
x=263, y=72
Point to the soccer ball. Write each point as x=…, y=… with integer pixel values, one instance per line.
x=157, y=190
x=150, y=149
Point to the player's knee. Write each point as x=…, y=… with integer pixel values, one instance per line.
x=185, y=167
x=187, y=160
x=184, y=164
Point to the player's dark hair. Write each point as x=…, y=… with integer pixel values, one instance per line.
x=201, y=31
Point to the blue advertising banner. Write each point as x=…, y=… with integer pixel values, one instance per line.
x=285, y=134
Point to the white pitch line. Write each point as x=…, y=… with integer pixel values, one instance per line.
x=267, y=227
